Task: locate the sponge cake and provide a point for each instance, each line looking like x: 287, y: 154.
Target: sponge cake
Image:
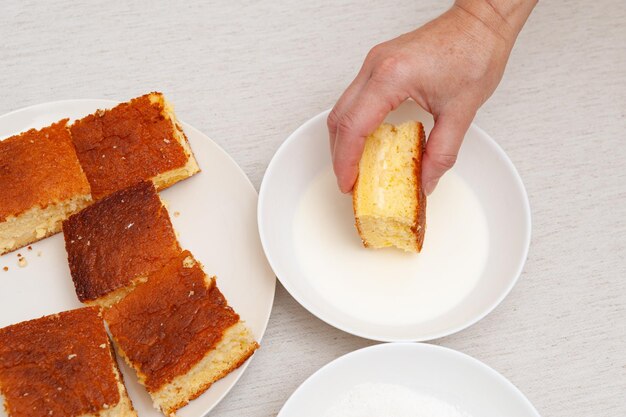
x: 134, y: 141
x: 41, y: 184
x: 389, y: 203
x: 117, y: 242
x: 61, y: 365
x: 179, y: 334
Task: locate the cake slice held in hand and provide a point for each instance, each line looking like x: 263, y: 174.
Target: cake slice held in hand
x: 41, y: 184
x: 389, y: 203
x: 179, y: 334
x: 62, y: 366
x: 117, y: 242
x: 134, y: 141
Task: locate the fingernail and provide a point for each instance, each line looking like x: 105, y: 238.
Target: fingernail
x: 341, y: 187
x: 430, y: 187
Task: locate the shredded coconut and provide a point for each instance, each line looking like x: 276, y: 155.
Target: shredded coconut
x: 389, y: 400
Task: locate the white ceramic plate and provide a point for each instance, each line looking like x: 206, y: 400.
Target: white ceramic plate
x: 217, y: 223
x: 445, y: 374
x: 477, y: 238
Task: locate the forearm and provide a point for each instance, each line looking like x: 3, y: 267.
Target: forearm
x: 504, y: 17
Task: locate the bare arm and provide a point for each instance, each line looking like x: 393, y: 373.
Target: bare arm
x: 450, y: 67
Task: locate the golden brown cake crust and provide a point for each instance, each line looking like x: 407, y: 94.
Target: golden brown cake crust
x: 171, y: 322
x: 122, y: 237
x: 39, y: 167
x: 126, y: 144
x: 420, y: 215
x: 59, y: 365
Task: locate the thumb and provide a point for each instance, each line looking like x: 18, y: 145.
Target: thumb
x: 442, y: 147
x: 363, y: 115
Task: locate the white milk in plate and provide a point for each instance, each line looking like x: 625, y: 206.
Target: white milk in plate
x: 389, y: 286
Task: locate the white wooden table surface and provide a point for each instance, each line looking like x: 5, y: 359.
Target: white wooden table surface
x: 247, y: 73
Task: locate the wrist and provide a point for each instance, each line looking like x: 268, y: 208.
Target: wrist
x: 503, y: 18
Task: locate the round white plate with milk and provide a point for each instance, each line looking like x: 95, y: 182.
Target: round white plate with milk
x: 408, y: 380
x: 476, y: 242
x: 214, y: 214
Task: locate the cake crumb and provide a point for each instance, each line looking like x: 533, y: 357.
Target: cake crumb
x: 71, y: 356
x: 39, y: 253
x: 6, y: 268
x: 21, y: 262
x: 30, y: 248
x: 188, y: 262
x: 176, y: 213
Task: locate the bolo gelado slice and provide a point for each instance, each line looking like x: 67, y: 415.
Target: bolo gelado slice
x: 179, y: 333
x: 41, y: 184
x: 117, y: 242
x: 134, y: 141
x: 63, y: 366
x: 388, y: 200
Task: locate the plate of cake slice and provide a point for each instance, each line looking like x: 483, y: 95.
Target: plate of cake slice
x: 124, y: 290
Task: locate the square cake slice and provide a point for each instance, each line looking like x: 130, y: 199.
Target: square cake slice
x: 117, y: 242
x: 389, y: 203
x: 63, y: 366
x: 41, y: 184
x: 178, y: 333
x: 137, y: 140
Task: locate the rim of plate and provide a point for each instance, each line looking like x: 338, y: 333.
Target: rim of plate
x: 364, y: 334
x: 417, y: 347
x: 238, y: 168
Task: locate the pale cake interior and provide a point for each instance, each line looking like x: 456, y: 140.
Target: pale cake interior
x: 385, y: 196
x: 37, y: 223
x: 166, y: 179
x: 117, y: 295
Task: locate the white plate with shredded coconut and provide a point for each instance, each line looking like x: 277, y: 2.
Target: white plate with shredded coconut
x: 407, y: 380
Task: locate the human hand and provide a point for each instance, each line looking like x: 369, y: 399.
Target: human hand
x: 450, y: 67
